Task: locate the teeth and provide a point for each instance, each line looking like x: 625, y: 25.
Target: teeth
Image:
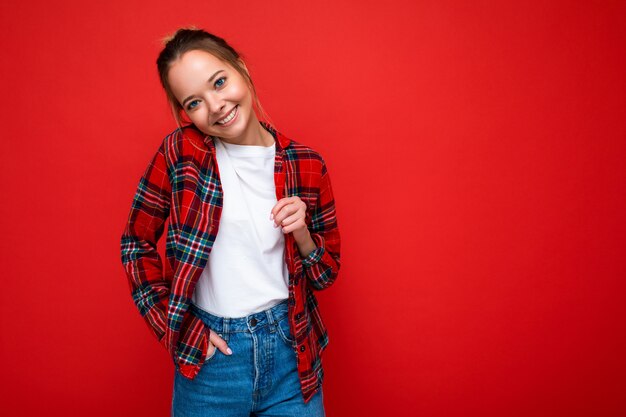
x: 229, y: 117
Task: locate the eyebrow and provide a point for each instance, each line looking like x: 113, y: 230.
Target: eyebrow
x: 209, y: 80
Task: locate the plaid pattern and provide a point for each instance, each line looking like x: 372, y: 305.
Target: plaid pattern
x: 181, y: 184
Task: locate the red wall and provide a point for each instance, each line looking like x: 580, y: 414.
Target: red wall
x: 477, y: 155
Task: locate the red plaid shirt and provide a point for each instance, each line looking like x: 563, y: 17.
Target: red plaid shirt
x: 182, y: 184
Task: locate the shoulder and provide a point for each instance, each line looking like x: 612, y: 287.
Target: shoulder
x: 180, y: 137
x: 309, y: 160
x: 298, y: 151
x: 183, y: 142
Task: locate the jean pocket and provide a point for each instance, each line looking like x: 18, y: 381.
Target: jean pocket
x: 284, y: 330
x: 210, y: 355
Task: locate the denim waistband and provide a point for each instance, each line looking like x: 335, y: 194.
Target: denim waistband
x: 249, y: 323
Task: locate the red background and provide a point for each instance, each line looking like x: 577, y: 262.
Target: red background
x: 477, y: 155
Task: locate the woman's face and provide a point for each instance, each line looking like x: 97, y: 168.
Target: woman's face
x: 212, y: 92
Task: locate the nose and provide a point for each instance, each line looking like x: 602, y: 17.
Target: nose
x: 215, y: 104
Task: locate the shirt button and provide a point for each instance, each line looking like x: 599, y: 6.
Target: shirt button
x: 302, y: 348
x: 253, y: 322
x: 298, y: 316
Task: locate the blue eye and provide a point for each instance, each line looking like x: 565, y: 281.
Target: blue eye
x: 189, y: 107
x: 222, y: 79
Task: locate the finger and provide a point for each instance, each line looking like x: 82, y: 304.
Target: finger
x: 293, y: 226
x: 220, y: 343
x: 291, y: 219
x: 279, y: 205
x: 285, y: 212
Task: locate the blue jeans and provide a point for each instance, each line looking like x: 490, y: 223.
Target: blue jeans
x: 260, y: 378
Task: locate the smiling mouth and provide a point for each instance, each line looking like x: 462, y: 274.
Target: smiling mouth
x: 229, y: 117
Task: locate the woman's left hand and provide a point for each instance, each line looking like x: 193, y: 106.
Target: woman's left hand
x: 290, y: 213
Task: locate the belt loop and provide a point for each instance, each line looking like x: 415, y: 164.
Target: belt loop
x: 271, y: 319
x: 225, y: 329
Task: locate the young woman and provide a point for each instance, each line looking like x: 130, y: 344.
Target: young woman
x: 252, y: 233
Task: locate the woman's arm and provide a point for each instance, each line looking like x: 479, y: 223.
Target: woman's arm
x: 142, y: 262
x: 321, y: 266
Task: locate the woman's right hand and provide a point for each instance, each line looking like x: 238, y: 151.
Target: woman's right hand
x: 215, y: 341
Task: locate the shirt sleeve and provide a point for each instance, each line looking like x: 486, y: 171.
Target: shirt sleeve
x: 144, y: 227
x: 321, y: 266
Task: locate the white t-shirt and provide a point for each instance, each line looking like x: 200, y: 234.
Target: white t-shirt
x: 246, y: 271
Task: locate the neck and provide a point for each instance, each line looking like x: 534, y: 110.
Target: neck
x: 255, y: 135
